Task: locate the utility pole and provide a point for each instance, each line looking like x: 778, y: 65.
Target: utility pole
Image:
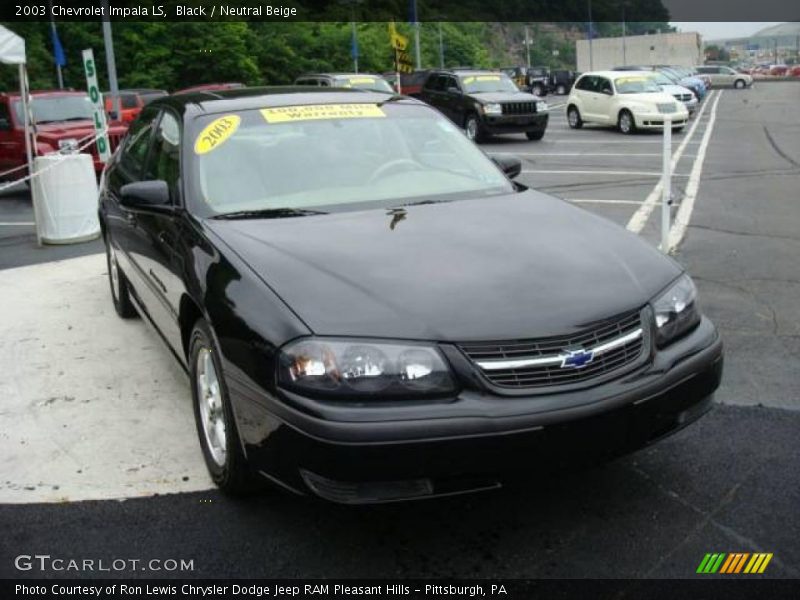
x: 528, y: 46
x: 111, y: 63
x: 54, y: 35
x: 417, y: 55
x: 591, y: 35
x: 354, y: 45
x: 624, y: 32
x: 441, y: 47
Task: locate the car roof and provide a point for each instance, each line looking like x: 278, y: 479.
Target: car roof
x: 194, y: 103
x: 612, y: 74
x: 47, y: 93
x: 340, y: 75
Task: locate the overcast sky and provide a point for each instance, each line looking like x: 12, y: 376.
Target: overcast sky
x: 713, y: 31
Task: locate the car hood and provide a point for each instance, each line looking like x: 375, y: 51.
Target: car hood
x: 516, y: 266
x: 648, y: 97
x: 672, y: 90
x: 70, y: 129
x: 504, y: 97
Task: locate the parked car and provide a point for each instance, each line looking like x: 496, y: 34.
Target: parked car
x: 722, y: 76
x: 211, y: 87
x: 794, y: 71
x: 679, y: 92
x: 535, y: 80
x: 561, y: 81
x: 697, y: 85
x: 63, y: 120
x: 488, y: 334
x: 360, y: 81
x: 131, y: 102
x: 485, y: 103
x: 627, y: 100
x: 410, y: 83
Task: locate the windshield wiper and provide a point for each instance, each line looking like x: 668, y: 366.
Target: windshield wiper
x: 393, y: 98
x: 269, y: 213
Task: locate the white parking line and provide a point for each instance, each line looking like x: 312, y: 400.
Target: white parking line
x: 587, y: 153
x: 603, y: 172
x: 639, y: 218
x: 678, y: 229
x: 550, y: 139
x: 12, y: 223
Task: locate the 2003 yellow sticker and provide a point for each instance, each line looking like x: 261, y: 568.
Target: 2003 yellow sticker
x: 311, y: 112
x: 216, y: 133
x: 481, y: 78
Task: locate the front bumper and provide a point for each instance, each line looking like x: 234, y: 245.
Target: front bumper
x: 357, y: 454
x: 656, y: 120
x: 499, y: 124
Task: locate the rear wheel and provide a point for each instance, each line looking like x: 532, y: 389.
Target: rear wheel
x: 537, y: 89
x: 561, y: 89
x: 534, y: 135
x: 574, y: 118
x: 120, y: 295
x: 626, y: 123
x: 738, y: 84
x: 216, y: 428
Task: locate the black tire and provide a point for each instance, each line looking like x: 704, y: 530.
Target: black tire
x: 534, y: 135
x: 233, y: 475
x: 574, y: 117
x: 537, y: 90
x: 120, y: 293
x: 739, y: 84
x: 626, y: 123
x: 561, y: 89
x: 473, y: 129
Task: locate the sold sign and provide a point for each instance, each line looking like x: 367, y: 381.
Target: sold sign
x: 99, y: 113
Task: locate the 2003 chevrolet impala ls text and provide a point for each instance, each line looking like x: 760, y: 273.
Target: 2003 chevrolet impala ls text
x: 371, y: 310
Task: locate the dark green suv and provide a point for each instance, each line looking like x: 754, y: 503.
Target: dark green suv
x: 485, y: 103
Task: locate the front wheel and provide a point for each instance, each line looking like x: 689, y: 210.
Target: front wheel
x: 626, y: 123
x: 561, y: 89
x: 574, y: 118
x: 739, y: 84
x: 216, y: 428
x: 120, y: 295
x: 472, y: 127
x: 534, y: 135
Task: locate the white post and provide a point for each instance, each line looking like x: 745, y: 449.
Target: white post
x: 666, y: 184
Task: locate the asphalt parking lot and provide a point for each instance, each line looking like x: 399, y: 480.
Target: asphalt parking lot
x: 85, y: 446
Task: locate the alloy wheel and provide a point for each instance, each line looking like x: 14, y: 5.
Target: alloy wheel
x: 212, y: 413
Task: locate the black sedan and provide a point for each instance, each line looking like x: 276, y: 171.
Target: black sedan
x: 369, y: 309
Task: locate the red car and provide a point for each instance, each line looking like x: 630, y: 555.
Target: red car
x: 63, y: 119
x: 794, y: 71
x: 131, y: 102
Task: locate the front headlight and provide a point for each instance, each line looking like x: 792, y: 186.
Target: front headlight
x: 541, y: 106
x: 351, y: 369
x: 493, y: 108
x: 676, y: 311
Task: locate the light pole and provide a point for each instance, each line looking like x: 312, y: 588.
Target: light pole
x: 527, y: 46
x: 111, y: 63
x: 624, y: 32
x: 354, y: 45
x: 591, y: 34
x: 441, y: 47
x: 417, y: 54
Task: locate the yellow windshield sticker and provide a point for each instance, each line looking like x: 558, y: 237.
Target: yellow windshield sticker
x: 469, y: 79
x: 357, y: 80
x: 488, y: 78
x: 215, y: 133
x: 285, y: 114
x: 624, y: 80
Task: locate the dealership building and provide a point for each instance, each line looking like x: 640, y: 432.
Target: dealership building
x: 684, y: 49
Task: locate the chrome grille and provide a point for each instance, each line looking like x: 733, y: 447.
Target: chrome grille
x: 519, y: 108
x: 666, y: 108
x: 616, y: 343
x: 683, y: 97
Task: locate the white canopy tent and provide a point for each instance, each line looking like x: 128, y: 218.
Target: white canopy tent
x: 12, y: 52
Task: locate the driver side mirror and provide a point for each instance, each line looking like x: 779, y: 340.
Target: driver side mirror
x: 146, y: 196
x: 510, y: 165
x: 454, y: 90
x: 607, y: 91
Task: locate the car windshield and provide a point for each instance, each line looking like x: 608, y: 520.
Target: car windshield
x: 495, y: 82
x: 636, y: 85
x: 293, y: 159
x: 365, y: 83
x: 58, y: 108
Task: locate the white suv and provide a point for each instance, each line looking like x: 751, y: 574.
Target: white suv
x: 629, y: 101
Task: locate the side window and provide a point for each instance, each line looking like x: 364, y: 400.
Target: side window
x: 431, y: 82
x: 450, y: 82
x: 585, y: 83
x: 604, y: 86
x: 324, y: 82
x: 164, y: 159
x: 5, y: 118
x: 137, y: 142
